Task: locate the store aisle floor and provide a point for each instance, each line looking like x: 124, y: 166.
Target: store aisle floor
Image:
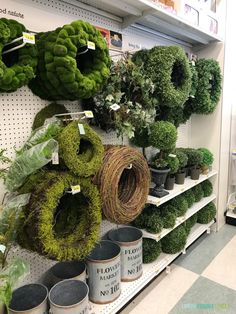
x: 201, y: 282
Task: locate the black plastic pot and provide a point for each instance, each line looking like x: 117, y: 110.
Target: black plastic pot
x: 159, y: 178
x: 180, y: 177
x: 185, y: 171
x: 170, y: 182
x: 195, y: 173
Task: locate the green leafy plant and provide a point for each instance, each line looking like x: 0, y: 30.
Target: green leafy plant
x: 190, y: 197
x: 195, y: 156
x: 180, y: 204
x: 207, y: 157
x: 190, y: 223
x: 173, y: 163
x: 198, y: 192
x: 150, y: 220
x: 174, y: 241
x: 151, y: 250
x: 207, y: 188
x: 182, y: 157
x: 163, y: 135
x: 3, y: 161
x: 168, y: 215
x: 207, y: 214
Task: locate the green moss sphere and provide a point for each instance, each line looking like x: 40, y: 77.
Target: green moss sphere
x: 190, y: 198
x: 180, y: 204
x: 151, y: 250
x: 163, y: 135
x: 207, y: 214
x: 175, y: 241
x: 207, y: 188
x: 168, y: 215
x: 190, y: 223
x: 198, y: 192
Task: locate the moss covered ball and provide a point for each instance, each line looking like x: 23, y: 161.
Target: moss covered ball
x: 198, y: 192
x: 168, y: 216
x: 151, y: 250
x: 190, y: 223
x: 150, y: 220
x: 190, y: 198
x: 207, y: 188
x: 207, y: 214
x: 175, y: 241
x: 163, y: 135
x: 180, y: 204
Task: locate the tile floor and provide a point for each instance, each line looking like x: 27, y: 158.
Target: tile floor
x: 201, y: 282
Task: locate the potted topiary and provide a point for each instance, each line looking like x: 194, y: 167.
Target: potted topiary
x: 181, y: 173
x: 194, y: 161
x: 173, y: 164
x: 163, y: 135
x: 207, y: 160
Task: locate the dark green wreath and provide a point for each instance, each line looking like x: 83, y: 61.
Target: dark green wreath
x: 207, y: 214
x: 81, y: 153
x: 207, y: 188
x: 64, y: 70
x: 169, y: 69
x: 59, y: 225
x: 209, y: 86
x: 17, y: 68
x: 151, y: 250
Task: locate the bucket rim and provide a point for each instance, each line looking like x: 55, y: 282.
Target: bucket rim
x: 105, y: 260
x: 52, y: 270
x: 129, y: 243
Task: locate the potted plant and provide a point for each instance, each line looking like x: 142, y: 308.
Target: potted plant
x: 207, y: 160
x: 194, y: 161
x: 163, y: 135
x: 181, y: 172
x: 173, y: 164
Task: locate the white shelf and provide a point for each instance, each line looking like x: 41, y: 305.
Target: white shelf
x: 191, y: 211
x: 130, y: 289
x: 178, y: 189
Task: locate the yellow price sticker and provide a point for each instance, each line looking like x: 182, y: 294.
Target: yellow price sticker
x: 91, y: 45
x: 88, y: 114
x: 29, y: 38
x: 75, y: 189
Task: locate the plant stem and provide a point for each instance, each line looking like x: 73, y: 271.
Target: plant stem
x: 144, y: 152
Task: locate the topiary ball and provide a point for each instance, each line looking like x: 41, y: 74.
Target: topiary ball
x: 180, y: 204
x: 194, y: 156
x: 207, y: 157
x: 150, y: 220
x: 163, y: 135
x: 190, y: 198
x: 190, y: 223
x: 207, y: 188
x: 198, y: 192
x: 173, y: 164
x: 168, y: 216
x: 175, y: 241
x: 182, y: 157
x: 207, y: 214
x: 151, y: 250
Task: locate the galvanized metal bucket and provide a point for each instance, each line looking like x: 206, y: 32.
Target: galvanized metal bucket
x: 103, y: 266
x: 130, y: 241
x: 29, y: 299
x: 69, y: 297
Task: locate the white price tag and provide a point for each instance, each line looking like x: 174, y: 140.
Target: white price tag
x: 88, y: 114
x: 29, y: 38
x: 172, y: 155
x: 193, y: 62
x: 75, y: 189
x: 55, y: 158
x: 115, y: 107
x: 2, y: 248
x: 81, y: 128
x: 91, y: 45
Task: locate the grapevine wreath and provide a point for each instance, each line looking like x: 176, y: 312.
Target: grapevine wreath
x: 124, y: 191
x: 81, y: 153
x: 67, y: 69
x: 17, y: 68
x: 60, y: 225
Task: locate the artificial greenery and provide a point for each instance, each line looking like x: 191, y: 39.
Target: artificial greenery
x: 169, y: 69
x: 17, y: 68
x: 173, y: 163
x: 81, y: 153
x: 48, y: 112
x: 168, y: 215
x: 163, y: 135
x: 189, y: 223
x: 198, y: 192
x: 207, y: 157
x: 150, y: 220
x: 208, y: 87
x: 180, y: 204
x: 194, y: 156
x: 61, y: 226
x: 4, y: 160
x: 207, y: 188
x: 151, y: 250
x: 67, y: 69
x: 190, y: 198
x: 174, y: 241
x: 207, y: 214
x: 182, y: 157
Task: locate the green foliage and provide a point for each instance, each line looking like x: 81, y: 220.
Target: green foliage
x: 141, y: 137
x: 190, y: 198
x: 194, y: 84
x: 180, y: 204
x: 207, y: 188
x: 163, y: 135
x: 190, y: 223
x: 16, y: 68
x: 194, y: 156
x: 207, y: 214
x: 81, y: 153
x: 208, y: 87
x: 182, y: 157
x: 151, y: 250
x: 174, y: 241
x: 208, y: 157
x: 149, y: 219
x: 169, y: 69
x: 173, y: 164
x: 63, y: 72
x: 198, y: 192
x: 48, y: 112
x: 3, y: 161
x: 168, y: 215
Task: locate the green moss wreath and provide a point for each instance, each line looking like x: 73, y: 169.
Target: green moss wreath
x: 208, y: 87
x: 207, y: 214
x: 62, y: 226
x: 175, y: 241
x: 169, y: 70
x: 64, y: 73
x: 151, y: 250
x: 81, y: 153
x: 16, y: 68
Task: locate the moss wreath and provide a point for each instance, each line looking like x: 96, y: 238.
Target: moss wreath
x: 169, y: 69
x: 62, y: 226
x: 18, y: 67
x: 66, y: 72
x: 81, y: 153
x: 208, y: 87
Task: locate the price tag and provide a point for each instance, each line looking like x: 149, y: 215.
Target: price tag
x: 91, y: 45
x: 172, y: 155
x: 115, y: 107
x: 28, y: 38
x: 2, y: 248
x: 88, y: 114
x: 55, y: 158
x: 193, y: 62
x: 81, y: 129
x: 75, y: 189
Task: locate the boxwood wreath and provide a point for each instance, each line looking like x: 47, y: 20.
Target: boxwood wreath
x: 174, y: 241
x: 65, y: 70
x: 151, y: 250
x: 17, y: 68
x: 207, y: 214
x: 58, y: 225
x: 207, y: 188
x: 81, y: 153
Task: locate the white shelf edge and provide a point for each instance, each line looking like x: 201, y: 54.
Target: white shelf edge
x: 191, y: 211
x: 178, y: 189
x: 130, y: 289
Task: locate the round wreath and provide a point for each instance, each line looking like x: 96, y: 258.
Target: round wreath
x: 169, y: 69
x: 208, y: 87
x: 60, y: 225
x: 81, y: 153
x: 16, y: 68
x: 67, y: 69
x: 124, y: 191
